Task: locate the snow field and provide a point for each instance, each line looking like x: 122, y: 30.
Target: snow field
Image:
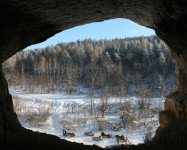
x: 70, y: 112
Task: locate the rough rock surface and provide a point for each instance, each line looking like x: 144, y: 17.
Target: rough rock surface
x: 173, y: 123
x: 176, y: 104
x: 28, y: 22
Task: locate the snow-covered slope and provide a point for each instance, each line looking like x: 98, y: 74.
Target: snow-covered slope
x: 72, y: 112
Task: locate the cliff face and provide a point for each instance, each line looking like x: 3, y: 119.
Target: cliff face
x: 28, y: 22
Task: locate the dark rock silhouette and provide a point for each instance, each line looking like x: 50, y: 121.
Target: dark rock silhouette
x: 27, y: 22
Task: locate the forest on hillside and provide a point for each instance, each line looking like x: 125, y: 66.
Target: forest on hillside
x: 119, y: 67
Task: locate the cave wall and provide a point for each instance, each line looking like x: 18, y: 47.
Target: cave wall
x: 29, y: 22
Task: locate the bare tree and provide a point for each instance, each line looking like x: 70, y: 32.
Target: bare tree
x: 104, y: 94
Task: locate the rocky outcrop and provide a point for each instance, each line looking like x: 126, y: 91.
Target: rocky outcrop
x: 7, y: 115
x: 176, y: 104
x: 172, y: 133
x: 28, y: 22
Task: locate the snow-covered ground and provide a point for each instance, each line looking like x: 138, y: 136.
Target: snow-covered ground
x: 72, y: 112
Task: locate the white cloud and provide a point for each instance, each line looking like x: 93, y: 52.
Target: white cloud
x: 134, y: 31
x: 136, y: 27
x: 135, y: 24
x: 131, y: 22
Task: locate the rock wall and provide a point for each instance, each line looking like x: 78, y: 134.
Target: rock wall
x: 172, y: 133
x: 28, y: 22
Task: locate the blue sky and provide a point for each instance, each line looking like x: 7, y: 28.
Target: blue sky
x: 109, y: 29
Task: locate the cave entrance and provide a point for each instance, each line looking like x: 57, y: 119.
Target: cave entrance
x: 110, y: 86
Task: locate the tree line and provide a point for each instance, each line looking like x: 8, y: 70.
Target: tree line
x: 117, y: 67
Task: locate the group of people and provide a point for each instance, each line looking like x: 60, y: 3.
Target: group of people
x: 119, y: 138
x: 123, y: 139
x: 65, y: 133
x: 106, y: 135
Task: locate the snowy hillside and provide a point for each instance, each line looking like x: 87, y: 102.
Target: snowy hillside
x: 132, y: 117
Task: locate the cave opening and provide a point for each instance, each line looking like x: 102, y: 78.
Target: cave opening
x: 102, y: 85
x: 30, y: 22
